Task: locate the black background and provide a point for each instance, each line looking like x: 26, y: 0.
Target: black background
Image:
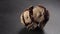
x: 10, y: 11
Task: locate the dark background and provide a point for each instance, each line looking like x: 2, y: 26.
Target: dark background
x: 10, y: 11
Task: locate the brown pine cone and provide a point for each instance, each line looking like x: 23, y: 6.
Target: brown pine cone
x: 35, y: 16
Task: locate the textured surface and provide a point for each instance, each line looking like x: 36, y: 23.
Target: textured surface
x: 34, y: 16
x: 10, y: 11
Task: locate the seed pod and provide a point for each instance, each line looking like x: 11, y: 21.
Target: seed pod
x: 34, y: 16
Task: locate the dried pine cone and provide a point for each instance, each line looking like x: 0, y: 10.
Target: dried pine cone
x: 35, y: 16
